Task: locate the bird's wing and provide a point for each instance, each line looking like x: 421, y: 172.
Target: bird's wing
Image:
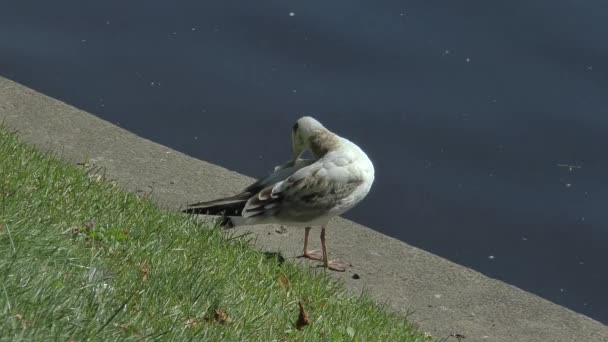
x: 308, y: 193
x: 280, y: 173
x: 233, y: 205
x: 295, y: 164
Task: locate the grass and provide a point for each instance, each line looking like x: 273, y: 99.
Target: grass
x: 81, y: 259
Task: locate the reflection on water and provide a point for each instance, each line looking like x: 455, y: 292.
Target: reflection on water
x: 487, y: 122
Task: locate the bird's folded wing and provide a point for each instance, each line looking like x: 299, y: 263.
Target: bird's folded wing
x: 294, y: 164
x: 280, y: 173
x: 233, y: 205
x: 310, y: 191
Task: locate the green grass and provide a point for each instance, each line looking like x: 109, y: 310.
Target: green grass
x: 80, y: 259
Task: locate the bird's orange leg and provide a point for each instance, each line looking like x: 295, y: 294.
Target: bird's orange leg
x: 314, y: 254
x: 334, y: 265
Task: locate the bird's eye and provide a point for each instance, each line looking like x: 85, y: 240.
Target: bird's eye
x: 295, y: 127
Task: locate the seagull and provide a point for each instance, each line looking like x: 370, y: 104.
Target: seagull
x: 302, y: 192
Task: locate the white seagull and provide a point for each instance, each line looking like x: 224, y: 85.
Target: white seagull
x: 302, y: 192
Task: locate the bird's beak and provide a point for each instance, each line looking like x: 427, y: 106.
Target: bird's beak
x: 296, y: 155
x: 298, y: 149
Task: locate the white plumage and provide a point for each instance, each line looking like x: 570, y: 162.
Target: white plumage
x: 303, y: 192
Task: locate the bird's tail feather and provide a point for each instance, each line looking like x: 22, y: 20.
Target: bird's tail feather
x: 229, y: 208
x: 226, y: 200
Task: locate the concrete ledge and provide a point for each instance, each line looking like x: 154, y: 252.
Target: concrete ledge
x: 445, y: 298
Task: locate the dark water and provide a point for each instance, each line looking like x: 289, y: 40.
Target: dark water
x: 467, y: 108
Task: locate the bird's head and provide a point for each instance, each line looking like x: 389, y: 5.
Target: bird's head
x: 305, y: 128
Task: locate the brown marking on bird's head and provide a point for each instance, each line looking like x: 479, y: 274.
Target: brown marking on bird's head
x: 310, y: 134
x: 322, y: 142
